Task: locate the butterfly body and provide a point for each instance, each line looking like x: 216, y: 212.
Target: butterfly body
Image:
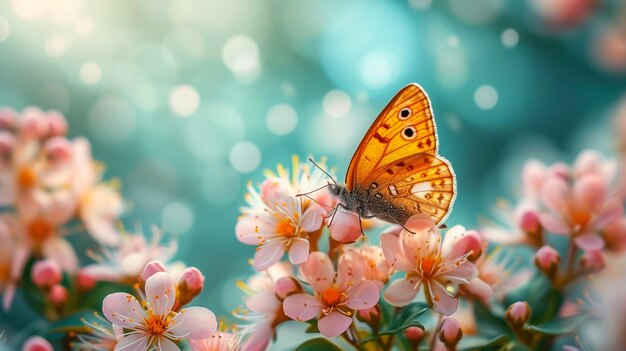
x: 396, y: 171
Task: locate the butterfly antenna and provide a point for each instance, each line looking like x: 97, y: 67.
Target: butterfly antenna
x: 312, y: 199
x: 321, y: 169
x: 312, y: 191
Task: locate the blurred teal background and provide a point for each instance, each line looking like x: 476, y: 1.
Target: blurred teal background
x: 187, y: 100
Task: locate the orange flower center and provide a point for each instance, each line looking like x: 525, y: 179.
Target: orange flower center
x: 26, y: 178
x: 332, y: 296
x: 581, y: 218
x: 285, y: 228
x: 428, y: 265
x: 156, y: 325
x: 39, y: 230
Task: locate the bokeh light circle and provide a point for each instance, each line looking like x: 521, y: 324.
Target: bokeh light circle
x: 509, y: 38
x: 84, y: 26
x: 420, y: 4
x: 90, y: 73
x: 112, y: 119
x: 240, y: 55
x: 5, y: 29
x: 336, y: 103
x: 31, y: 9
x: 177, y: 217
x: 245, y: 157
x: 55, y: 46
x: 184, y: 100
x: 281, y: 119
x: 486, y: 97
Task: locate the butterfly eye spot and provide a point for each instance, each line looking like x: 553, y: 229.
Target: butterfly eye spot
x: 374, y: 185
x: 409, y: 133
x: 378, y: 195
x: 404, y: 113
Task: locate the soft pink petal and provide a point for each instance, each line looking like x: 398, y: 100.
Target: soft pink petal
x: 351, y: 269
x: 423, y: 239
x: 480, y: 290
x: 588, y: 162
x: 363, y: 295
x: 555, y: 194
x: 533, y: 175
x: 19, y: 261
x: 299, y: 251
x: 251, y: 229
x: 123, y: 309
x: 312, y: 218
x: 301, y: 307
x: 59, y: 250
x: 260, y: 339
x: 264, y: 302
x: 334, y: 324
x: 268, y: 254
x: 589, y: 241
x: 164, y: 344
x: 318, y: 270
x: 401, y: 292
x: 133, y: 342
x: 61, y: 208
x: 161, y: 292
x: 193, y: 323
x: 459, y: 273
x: 345, y: 227
x: 394, y: 254
x: 501, y: 236
x: 442, y: 302
x: 458, y: 242
x: 611, y: 212
x: 590, y: 192
x: 8, y: 295
x: 553, y: 224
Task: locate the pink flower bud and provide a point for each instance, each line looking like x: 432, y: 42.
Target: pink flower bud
x: 414, y: 334
x: 192, y: 278
x: 7, y: 141
x: 46, y: 273
x: 85, y: 281
x: 592, y: 261
x: 151, y: 268
x: 58, y: 148
x: 547, y: 259
x: 33, y: 123
x: 529, y: 222
x: 369, y: 315
x: 58, y: 294
x: 518, y: 314
x: 57, y: 125
x: 37, y: 343
x: 8, y: 118
x: 285, y: 286
x: 450, y: 332
x: 345, y: 227
x: 615, y: 235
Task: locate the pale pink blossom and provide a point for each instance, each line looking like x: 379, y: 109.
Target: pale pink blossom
x: 430, y: 263
x: 152, y: 323
x: 46, y: 273
x: 375, y: 266
x: 278, y: 222
x: 37, y: 343
x: 126, y: 262
x: 101, y: 335
x: 336, y: 295
x: 218, y: 341
x: 266, y: 292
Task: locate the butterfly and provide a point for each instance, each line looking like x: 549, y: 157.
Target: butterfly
x: 396, y: 172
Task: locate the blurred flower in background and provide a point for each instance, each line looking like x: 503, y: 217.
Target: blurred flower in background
x: 185, y: 101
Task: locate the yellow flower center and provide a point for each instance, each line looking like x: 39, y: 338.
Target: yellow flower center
x: 428, y: 265
x: 39, y: 230
x: 26, y: 178
x: 332, y: 296
x: 155, y: 324
x: 581, y: 218
x: 285, y: 228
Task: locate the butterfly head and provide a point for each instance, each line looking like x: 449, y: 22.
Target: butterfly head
x: 336, y: 189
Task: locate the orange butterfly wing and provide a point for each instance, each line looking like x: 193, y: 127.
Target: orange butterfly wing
x: 405, y: 134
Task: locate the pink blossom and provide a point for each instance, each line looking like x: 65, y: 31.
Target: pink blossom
x: 152, y: 323
x: 375, y: 266
x: 46, y: 273
x: 429, y: 262
x: 266, y: 292
x: 37, y: 343
x: 216, y: 342
x: 278, y: 222
x: 336, y: 296
x: 102, y: 335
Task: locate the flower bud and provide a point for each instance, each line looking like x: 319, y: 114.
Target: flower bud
x: 189, y: 286
x: 46, y: 273
x: 37, y: 343
x: 57, y: 125
x: 286, y: 286
x: 58, y: 294
x: 370, y: 315
x: 33, y: 123
x: 529, y: 222
x: 58, y: 148
x: 450, y: 332
x: 84, y: 280
x: 345, y: 227
x: 548, y: 259
x: 518, y: 314
x: 8, y: 118
x: 7, y: 141
x: 414, y: 334
x: 592, y: 261
x: 151, y: 268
